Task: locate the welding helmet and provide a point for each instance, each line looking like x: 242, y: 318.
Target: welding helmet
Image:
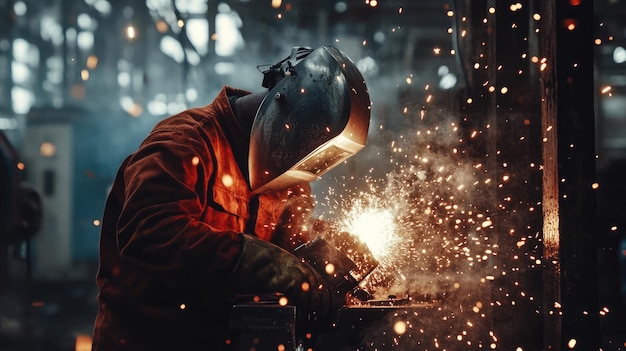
x: 315, y: 116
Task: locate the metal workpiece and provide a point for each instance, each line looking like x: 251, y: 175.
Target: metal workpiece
x: 339, y: 270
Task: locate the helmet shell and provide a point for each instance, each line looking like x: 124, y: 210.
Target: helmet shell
x: 310, y: 121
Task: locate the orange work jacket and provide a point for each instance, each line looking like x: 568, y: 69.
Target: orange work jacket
x: 171, y: 233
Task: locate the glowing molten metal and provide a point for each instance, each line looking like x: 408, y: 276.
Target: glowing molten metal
x: 374, y: 227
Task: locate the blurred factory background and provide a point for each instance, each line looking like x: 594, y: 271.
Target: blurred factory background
x: 83, y: 81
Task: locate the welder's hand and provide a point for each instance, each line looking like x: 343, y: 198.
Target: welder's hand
x: 265, y: 268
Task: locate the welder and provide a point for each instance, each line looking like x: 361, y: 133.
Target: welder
x: 216, y: 198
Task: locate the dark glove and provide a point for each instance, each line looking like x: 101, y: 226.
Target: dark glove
x: 264, y: 268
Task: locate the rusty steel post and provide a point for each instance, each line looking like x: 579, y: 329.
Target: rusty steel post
x: 570, y: 290
x: 550, y: 199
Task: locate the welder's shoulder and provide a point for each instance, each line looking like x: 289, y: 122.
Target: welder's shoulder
x: 189, y: 124
x: 185, y: 120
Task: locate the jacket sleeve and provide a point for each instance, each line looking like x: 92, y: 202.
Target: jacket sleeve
x: 159, y: 231
x: 294, y: 224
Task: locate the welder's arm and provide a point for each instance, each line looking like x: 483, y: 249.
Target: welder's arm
x: 265, y: 268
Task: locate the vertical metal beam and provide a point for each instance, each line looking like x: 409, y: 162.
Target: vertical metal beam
x: 550, y: 200
x: 570, y: 283
x: 577, y: 203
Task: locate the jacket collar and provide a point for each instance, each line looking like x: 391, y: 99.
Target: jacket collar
x: 237, y: 135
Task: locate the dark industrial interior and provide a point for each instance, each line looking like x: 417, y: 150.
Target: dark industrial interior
x: 493, y: 169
